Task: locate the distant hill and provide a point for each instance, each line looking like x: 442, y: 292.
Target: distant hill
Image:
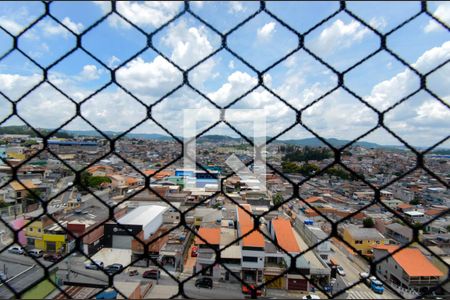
x: 26, y: 130
x: 315, y: 142
x: 312, y: 142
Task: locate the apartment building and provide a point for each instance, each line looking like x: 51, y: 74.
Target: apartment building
x: 363, y: 239
x: 408, y: 268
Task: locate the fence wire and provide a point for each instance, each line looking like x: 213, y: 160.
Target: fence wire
x: 112, y: 141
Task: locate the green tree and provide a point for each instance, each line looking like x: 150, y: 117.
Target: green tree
x: 415, y: 201
x: 308, y: 169
x: 277, y: 199
x: 368, y: 223
x: 87, y: 180
x: 448, y: 228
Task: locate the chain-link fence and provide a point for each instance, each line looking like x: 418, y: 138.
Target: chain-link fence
x: 113, y: 210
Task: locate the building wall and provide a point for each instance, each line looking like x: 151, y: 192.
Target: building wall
x: 366, y: 246
x: 151, y: 227
x: 388, y: 267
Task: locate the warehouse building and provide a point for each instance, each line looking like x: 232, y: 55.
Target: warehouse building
x: 147, y: 219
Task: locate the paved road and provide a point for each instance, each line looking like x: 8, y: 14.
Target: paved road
x: 352, y: 271
x: 167, y: 288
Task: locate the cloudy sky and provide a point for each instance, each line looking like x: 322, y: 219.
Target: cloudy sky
x: 300, y: 79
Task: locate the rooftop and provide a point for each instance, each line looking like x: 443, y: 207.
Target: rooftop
x: 211, y: 235
x: 284, y: 235
x: 412, y: 260
x: 359, y: 233
x: 142, y: 215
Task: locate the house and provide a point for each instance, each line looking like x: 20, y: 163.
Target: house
x: 408, y: 268
x: 363, y: 239
x: 401, y: 234
x: 208, y: 240
x: 252, y: 246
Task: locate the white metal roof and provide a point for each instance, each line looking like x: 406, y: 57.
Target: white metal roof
x: 142, y: 215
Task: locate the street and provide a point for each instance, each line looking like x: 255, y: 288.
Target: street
x: 352, y: 270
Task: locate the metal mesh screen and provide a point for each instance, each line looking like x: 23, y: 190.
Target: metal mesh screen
x: 110, y: 146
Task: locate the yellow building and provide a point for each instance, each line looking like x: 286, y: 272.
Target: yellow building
x: 363, y: 239
x: 52, y: 239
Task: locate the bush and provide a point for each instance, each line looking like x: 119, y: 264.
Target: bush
x: 368, y: 223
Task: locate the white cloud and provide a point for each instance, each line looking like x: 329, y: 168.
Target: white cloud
x: 379, y: 23
x: 45, y: 107
x: 50, y: 28
x: 149, y: 80
x: 340, y: 36
x: 75, y: 27
x: 231, y: 64
x: 10, y: 25
x: 16, y: 20
x: 237, y: 84
x: 189, y: 44
x: 442, y: 12
x: 266, y: 32
x: 145, y: 13
x: 90, y: 72
x: 113, y: 61
x: 236, y: 7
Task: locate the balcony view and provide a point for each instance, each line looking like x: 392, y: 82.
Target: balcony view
x: 224, y: 150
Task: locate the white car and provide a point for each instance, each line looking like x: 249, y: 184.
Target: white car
x: 94, y: 265
x: 312, y: 296
x: 16, y: 250
x: 3, y: 276
x: 340, y: 270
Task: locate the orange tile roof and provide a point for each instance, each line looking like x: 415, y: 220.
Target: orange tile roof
x: 131, y: 180
x: 161, y: 174
x: 94, y: 169
x: 311, y: 213
x: 313, y: 199
x: 211, y: 235
x: 433, y: 211
x: 17, y: 186
x: 412, y: 260
x: 284, y: 235
x: 404, y: 205
x: 254, y: 239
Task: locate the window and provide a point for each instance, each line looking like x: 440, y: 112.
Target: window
x: 358, y: 242
x: 249, y: 258
x: 30, y: 229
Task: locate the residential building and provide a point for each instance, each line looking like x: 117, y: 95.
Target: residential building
x: 408, y: 268
x: 363, y: 239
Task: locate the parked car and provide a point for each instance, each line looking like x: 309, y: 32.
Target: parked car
x: 16, y: 250
x: 375, y: 285
x: 247, y: 291
x: 204, y: 282
x: 35, y: 253
x: 96, y: 265
x: 133, y: 273
x: 113, y: 269
x: 194, y: 251
x: 340, y: 270
x: 311, y: 296
x: 3, y: 276
x: 52, y: 257
x: 152, y: 274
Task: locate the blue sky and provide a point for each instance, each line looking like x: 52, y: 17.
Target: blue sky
x: 341, y: 42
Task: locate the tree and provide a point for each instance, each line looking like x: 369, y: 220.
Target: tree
x: 415, y: 201
x: 448, y: 228
x: 368, y: 223
x: 87, y: 180
x: 277, y: 199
